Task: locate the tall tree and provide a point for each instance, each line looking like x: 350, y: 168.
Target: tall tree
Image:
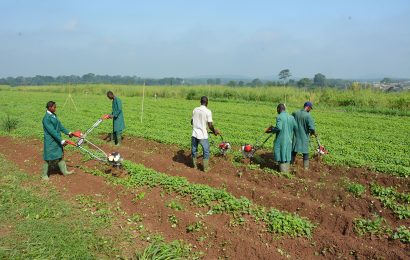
x: 319, y: 80
x: 284, y: 74
x: 304, y: 83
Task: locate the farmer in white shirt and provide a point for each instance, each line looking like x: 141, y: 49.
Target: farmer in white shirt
x: 201, y: 119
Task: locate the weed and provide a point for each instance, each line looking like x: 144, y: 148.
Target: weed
x: 173, y: 220
x: 195, y: 227
x: 175, y: 205
x: 9, y: 123
x: 136, y: 218
x: 158, y: 249
x: 139, y: 196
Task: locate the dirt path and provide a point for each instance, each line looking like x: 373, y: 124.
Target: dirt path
x: 316, y: 194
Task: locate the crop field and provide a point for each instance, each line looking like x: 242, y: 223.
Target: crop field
x: 353, y: 203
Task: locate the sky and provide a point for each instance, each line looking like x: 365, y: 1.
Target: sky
x: 347, y: 39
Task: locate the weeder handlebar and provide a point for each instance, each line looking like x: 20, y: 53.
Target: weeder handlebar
x: 260, y: 145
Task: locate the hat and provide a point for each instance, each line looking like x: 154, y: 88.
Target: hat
x: 308, y: 104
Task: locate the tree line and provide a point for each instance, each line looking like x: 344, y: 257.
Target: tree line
x: 284, y: 76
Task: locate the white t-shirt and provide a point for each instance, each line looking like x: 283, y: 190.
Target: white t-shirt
x: 201, y: 116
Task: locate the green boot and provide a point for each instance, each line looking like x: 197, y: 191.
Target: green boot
x: 44, y: 174
x: 63, y: 168
x: 284, y: 167
x: 195, y: 166
x: 117, y: 138
x: 206, y: 165
x: 306, y: 165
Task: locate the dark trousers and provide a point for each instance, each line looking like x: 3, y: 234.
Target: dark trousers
x: 305, y: 157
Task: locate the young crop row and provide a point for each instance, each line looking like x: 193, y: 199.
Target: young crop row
x: 217, y: 201
x: 398, y: 202
x: 368, y: 140
x: 379, y: 227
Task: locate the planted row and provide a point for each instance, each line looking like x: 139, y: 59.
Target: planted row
x: 219, y: 201
x: 390, y: 198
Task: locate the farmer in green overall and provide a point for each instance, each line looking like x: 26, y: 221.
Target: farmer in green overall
x: 53, y: 143
x: 118, y: 118
x: 306, y: 127
x: 284, y: 130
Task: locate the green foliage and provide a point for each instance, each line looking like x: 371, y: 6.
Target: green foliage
x: 286, y: 175
x: 356, y: 189
x: 175, y: 205
x: 402, y: 233
x: 43, y: 226
x: 102, y: 215
x: 390, y: 198
x: 160, y: 250
x: 195, y: 227
x: 217, y: 200
x: 136, y: 218
x: 139, y: 196
x: 8, y: 123
x: 379, y: 227
x: 173, y: 220
x: 343, y: 130
x: 374, y: 227
x: 289, y: 224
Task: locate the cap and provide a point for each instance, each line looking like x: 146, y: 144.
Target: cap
x: 308, y: 104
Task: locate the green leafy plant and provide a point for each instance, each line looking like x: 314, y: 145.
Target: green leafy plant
x: 136, y: 218
x: 217, y: 200
x: 175, y: 205
x: 195, y: 227
x: 9, y: 123
x: 374, y: 227
x: 173, y: 220
x: 390, y: 198
x: 356, y: 189
x: 402, y: 233
x: 139, y: 196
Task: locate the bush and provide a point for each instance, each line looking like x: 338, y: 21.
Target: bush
x: 9, y: 123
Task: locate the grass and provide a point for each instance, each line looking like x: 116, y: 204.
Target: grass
x: 159, y: 250
x: 37, y: 224
x: 9, y: 123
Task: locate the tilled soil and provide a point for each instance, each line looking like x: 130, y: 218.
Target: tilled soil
x: 317, y: 194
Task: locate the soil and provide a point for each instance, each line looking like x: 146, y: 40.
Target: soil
x: 317, y: 194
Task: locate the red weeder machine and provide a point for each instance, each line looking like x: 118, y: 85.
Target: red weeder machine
x: 223, y: 146
x: 321, y: 150
x: 95, y: 152
x: 249, y: 150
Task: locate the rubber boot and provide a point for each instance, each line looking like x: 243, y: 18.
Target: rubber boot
x: 284, y: 167
x: 44, y: 174
x: 195, y: 166
x: 306, y: 165
x: 63, y: 168
x: 206, y: 165
x: 118, y: 139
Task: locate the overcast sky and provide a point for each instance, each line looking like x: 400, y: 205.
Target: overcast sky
x: 340, y: 38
